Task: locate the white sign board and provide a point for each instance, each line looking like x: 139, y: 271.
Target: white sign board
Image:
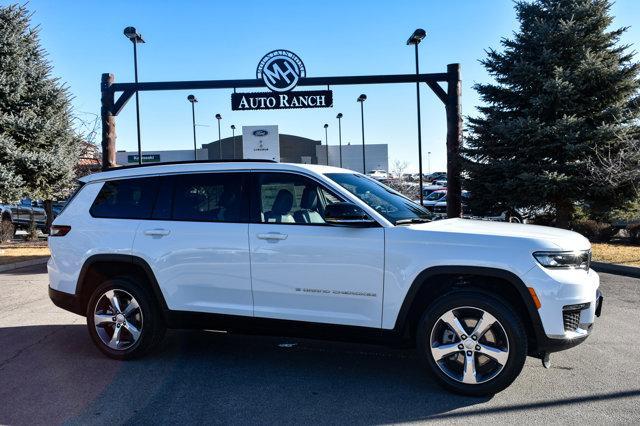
x: 260, y: 143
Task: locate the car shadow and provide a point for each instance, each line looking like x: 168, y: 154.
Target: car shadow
x: 205, y: 377
x: 54, y: 374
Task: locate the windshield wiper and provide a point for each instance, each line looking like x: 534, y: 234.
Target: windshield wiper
x: 412, y: 220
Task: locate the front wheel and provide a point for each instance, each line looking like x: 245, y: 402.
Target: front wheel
x: 474, y: 344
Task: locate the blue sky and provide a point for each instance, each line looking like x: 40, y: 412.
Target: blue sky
x: 199, y: 40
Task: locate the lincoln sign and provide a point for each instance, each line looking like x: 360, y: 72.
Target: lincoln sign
x: 281, y: 70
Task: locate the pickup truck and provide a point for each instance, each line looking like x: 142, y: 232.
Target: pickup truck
x: 19, y: 216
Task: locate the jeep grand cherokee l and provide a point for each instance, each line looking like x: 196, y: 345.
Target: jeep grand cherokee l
x: 315, y: 251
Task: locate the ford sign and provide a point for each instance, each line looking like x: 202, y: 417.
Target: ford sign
x: 260, y: 133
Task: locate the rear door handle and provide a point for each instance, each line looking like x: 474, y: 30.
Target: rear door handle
x: 272, y: 236
x: 158, y: 232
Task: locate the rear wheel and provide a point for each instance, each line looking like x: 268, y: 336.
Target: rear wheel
x: 123, y: 320
x: 473, y: 343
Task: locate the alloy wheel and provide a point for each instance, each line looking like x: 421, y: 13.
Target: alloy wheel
x: 117, y: 319
x: 469, y: 345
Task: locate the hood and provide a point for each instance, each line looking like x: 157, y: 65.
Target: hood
x: 544, y: 235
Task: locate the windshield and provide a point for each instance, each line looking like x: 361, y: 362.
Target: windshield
x: 435, y: 196
x: 389, y: 203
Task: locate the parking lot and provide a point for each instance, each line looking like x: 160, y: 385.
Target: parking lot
x: 51, y: 373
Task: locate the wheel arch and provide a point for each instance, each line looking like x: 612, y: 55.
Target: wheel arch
x: 100, y: 267
x: 433, y: 282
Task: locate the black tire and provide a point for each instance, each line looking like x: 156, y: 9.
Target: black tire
x: 152, y: 328
x: 511, y: 331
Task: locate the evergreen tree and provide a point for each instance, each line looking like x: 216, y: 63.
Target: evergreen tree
x: 38, y: 146
x: 560, y: 124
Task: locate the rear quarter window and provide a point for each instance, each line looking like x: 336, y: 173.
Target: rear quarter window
x: 126, y: 199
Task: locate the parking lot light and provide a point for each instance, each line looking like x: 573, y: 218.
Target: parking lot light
x: 361, y: 99
x: 193, y: 101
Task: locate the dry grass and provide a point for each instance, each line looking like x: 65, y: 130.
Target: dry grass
x: 10, y: 253
x: 628, y: 255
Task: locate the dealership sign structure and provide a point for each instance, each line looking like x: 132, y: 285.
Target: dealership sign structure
x: 280, y: 71
x: 261, y: 143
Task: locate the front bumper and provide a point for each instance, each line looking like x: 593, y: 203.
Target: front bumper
x: 66, y: 301
x: 571, y: 338
x: 570, y: 302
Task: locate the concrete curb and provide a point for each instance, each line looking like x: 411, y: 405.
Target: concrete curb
x: 24, y: 264
x: 611, y: 268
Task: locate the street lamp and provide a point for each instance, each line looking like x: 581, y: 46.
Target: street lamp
x: 339, y: 117
x: 219, y: 117
x: 415, y: 39
x: 429, y: 162
x: 132, y: 34
x: 233, y: 138
x: 326, y: 140
x: 193, y: 101
x: 361, y: 99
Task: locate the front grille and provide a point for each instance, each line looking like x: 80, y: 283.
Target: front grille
x: 571, y: 320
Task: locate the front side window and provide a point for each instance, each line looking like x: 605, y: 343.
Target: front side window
x: 389, y: 203
x: 125, y: 199
x: 211, y: 197
x: 291, y: 198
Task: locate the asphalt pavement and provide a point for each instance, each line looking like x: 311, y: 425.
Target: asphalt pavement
x: 51, y: 373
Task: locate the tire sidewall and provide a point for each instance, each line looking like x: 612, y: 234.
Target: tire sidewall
x: 149, y: 318
x: 511, y: 323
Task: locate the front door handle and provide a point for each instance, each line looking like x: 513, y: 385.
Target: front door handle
x: 158, y: 232
x: 272, y: 236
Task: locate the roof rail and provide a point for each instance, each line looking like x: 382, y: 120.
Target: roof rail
x: 171, y: 163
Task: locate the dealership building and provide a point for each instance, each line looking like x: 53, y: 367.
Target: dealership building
x: 292, y: 149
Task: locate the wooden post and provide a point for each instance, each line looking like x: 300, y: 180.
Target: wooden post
x: 454, y: 141
x: 108, y: 122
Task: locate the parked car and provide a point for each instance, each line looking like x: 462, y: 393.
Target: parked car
x: 427, y: 190
x: 20, y: 216
x: 295, y: 249
x: 378, y: 174
x: 433, y: 197
x: 436, y: 203
x: 436, y: 176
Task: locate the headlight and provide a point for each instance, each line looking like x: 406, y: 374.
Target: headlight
x: 564, y: 259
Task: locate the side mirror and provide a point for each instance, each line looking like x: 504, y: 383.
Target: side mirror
x: 347, y: 214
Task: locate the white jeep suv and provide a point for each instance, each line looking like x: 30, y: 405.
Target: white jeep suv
x: 318, y: 251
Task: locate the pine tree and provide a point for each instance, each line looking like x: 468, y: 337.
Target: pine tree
x: 559, y: 127
x: 38, y: 146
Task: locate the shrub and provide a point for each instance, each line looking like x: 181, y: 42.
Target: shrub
x: 596, y: 232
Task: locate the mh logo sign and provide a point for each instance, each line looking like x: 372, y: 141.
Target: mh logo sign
x: 280, y: 70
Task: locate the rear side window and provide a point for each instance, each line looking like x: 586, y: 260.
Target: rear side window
x: 126, y: 199
x: 211, y: 197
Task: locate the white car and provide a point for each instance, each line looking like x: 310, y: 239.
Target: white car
x: 315, y: 251
x: 378, y: 174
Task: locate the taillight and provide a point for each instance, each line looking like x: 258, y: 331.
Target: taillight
x: 59, y: 230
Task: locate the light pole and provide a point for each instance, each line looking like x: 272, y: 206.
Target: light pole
x: 233, y: 138
x: 339, y: 117
x: 429, y: 162
x: 193, y: 101
x: 326, y: 140
x: 219, y: 117
x: 361, y: 99
x: 415, y: 39
x: 135, y: 37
